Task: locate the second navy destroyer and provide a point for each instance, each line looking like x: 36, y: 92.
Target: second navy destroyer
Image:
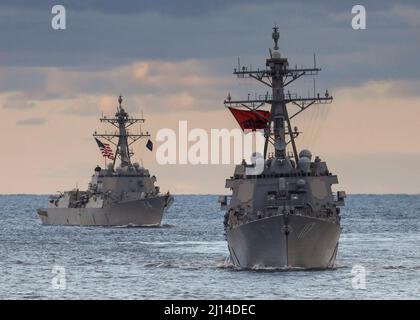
x: 285, y: 215
x: 123, y: 195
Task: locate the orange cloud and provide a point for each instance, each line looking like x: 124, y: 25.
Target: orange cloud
x: 371, y: 121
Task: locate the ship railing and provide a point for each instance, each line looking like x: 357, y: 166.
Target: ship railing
x: 266, y: 97
x: 338, y: 198
x: 269, y: 97
x: 296, y: 206
x: 224, y: 201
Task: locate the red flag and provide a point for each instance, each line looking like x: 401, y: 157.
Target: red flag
x: 251, y: 120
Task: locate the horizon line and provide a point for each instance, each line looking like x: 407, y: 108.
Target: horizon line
x: 219, y: 194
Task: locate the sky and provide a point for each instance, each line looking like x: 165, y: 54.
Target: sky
x: 173, y: 60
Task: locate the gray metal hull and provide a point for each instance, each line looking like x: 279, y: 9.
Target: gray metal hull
x: 281, y: 241
x: 144, y: 212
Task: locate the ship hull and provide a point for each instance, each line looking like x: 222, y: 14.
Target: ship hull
x: 284, y: 242
x: 143, y: 212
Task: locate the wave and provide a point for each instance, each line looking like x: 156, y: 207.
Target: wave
x: 402, y: 267
x: 174, y: 265
x: 227, y: 264
x: 131, y: 225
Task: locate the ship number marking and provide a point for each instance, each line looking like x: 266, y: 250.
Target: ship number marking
x: 305, y: 230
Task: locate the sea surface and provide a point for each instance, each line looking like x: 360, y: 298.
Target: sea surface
x: 186, y: 258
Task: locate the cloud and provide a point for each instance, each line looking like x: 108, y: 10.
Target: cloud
x: 382, y: 89
x: 374, y: 117
x: 180, y: 8
x: 144, y: 75
x: 173, y: 59
x: 104, y: 34
x: 32, y: 122
x: 159, y: 84
x: 406, y: 14
x: 18, y: 104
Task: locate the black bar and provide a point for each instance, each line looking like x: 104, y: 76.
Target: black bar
x: 204, y: 309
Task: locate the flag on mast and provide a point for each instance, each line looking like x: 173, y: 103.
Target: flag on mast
x: 252, y: 120
x: 149, y: 145
x: 105, y: 149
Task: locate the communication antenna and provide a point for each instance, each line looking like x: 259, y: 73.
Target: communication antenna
x: 277, y: 76
x: 123, y: 138
x: 314, y: 87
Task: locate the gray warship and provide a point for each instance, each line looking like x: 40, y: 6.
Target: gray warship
x: 123, y: 195
x: 284, y: 216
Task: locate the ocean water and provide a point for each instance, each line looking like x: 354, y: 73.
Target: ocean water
x: 186, y: 258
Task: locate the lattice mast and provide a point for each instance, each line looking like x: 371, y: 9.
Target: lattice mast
x: 122, y: 122
x: 278, y: 76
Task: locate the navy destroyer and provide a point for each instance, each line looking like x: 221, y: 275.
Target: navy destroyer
x: 123, y: 195
x: 285, y: 214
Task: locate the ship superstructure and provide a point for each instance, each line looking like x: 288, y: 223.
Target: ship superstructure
x: 284, y: 216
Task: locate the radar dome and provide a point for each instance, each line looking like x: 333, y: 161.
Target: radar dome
x: 276, y: 54
x: 304, y: 164
x: 305, y: 153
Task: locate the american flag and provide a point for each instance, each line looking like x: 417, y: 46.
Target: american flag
x: 105, y: 149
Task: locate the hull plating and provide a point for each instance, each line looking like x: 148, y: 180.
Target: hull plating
x: 291, y: 241
x: 144, y: 212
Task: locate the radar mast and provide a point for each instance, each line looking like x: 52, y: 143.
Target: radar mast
x: 123, y: 138
x: 278, y: 75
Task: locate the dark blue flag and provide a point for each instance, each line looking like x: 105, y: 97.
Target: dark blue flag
x: 149, y: 145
